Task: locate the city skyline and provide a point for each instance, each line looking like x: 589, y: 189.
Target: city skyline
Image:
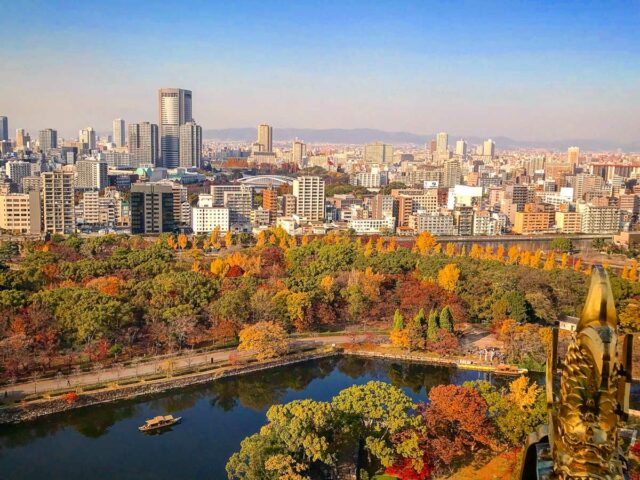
x: 470, y: 68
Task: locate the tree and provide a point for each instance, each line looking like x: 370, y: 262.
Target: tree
x: 444, y: 344
x: 398, y: 320
x: 550, y: 261
x: 456, y: 422
x: 228, y: 239
x: 450, y: 249
x: 564, y: 261
x: 513, y: 254
x: 368, y: 248
x: 380, y: 248
x: 182, y: 241
x: 633, y: 271
x: 393, y: 245
x: 416, y: 331
x: 562, y: 244
x: 432, y: 325
x: 630, y: 316
x: 446, y: 319
x: 267, y: 339
x: 448, y: 277
x: 424, y: 243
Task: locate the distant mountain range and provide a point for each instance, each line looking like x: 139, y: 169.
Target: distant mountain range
x: 367, y: 135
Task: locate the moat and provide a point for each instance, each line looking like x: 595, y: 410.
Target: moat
x: 104, y: 442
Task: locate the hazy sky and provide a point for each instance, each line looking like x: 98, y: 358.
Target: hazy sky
x: 530, y: 70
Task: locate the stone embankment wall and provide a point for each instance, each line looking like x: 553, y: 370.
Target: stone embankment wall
x: 30, y: 411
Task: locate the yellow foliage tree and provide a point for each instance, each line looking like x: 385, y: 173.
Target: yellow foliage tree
x: 525, y: 257
x: 380, y: 245
x: 564, y: 261
x: 400, y: 338
x: 261, y: 239
x: 633, y: 271
x: 450, y: 249
x: 393, y: 245
x: 577, y: 265
x: 424, y: 243
x: 448, y: 277
x: 500, y: 253
x: 266, y: 339
x: 588, y: 271
x: 488, y: 252
x: 550, y: 262
x: 368, y: 248
x: 182, y: 241
x: 305, y: 241
x: 195, y: 267
x: 214, y: 238
x: 171, y: 241
x: 535, y: 259
x: 218, y: 267
x: 513, y: 254
x: 228, y: 239
x: 625, y: 272
x: 327, y: 283
x: 523, y: 394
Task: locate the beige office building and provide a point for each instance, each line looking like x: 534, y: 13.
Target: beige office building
x: 57, y: 202
x: 378, y: 153
x: 309, y: 193
x: 265, y: 137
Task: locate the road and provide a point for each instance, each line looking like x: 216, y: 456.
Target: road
x: 113, y: 374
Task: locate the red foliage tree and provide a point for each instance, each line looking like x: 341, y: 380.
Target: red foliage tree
x: 457, y: 423
x: 445, y: 343
x: 403, y: 469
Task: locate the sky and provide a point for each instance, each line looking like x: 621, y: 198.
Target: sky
x: 544, y: 70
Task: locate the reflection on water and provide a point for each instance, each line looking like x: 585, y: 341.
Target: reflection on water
x: 103, y: 441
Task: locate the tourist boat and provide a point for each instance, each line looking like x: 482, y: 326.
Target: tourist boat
x: 510, y: 370
x: 159, y: 422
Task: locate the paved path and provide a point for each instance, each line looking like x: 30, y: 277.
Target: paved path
x: 113, y: 374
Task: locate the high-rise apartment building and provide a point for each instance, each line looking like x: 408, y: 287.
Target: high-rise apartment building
x: 378, y: 153
x: 88, y: 139
x: 175, y: 106
x: 143, y: 144
x: 265, y: 137
x: 16, y: 170
x: 442, y: 143
x: 151, y: 208
x: 58, y: 202
x: 190, y: 145
x: 20, y: 212
x: 119, y: 132
x: 461, y: 148
x: 573, y: 155
x: 91, y: 174
x: 4, y: 129
x: 452, y: 173
x: 309, y: 193
x: 288, y: 205
x: 270, y: 200
x: 299, y: 152
x: 47, y: 139
x: 239, y: 204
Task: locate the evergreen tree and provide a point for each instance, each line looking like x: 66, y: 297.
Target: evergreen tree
x: 432, y: 325
x: 446, y: 319
x: 398, y: 321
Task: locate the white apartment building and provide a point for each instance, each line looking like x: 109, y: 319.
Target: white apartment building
x: 20, y: 212
x: 373, y: 225
x: 91, y: 174
x: 309, y: 193
x: 206, y: 219
x: 434, y: 223
x: 599, y: 219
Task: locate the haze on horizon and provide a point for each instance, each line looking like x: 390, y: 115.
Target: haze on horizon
x: 568, y: 70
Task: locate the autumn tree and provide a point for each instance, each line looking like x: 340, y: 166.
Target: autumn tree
x: 445, y: 320
x: 550, y: 261
x: 424, y: 243
x: 448, y: 277
x: 266, y: 339
x: 182, y: 241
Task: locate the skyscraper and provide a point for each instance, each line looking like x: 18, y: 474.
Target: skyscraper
x: 119, y: 132
x: 87, y: 138
x: 190, y: 145
x: 489, y: 148
x: 309, y: 193
x: 442, y: 143
x: 573, y: 155
x: 4, y: 129
x: 22, y: 139
x: 175, y: 110
x: 143, y: 144
x: 461, y: 148
x: 47, y: 139
x: 265, y: 137
x: 299, y: 152
x: 378, y: 153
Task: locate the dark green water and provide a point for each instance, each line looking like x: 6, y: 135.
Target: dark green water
x: 103, y: 441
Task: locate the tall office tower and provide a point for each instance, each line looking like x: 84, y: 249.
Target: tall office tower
x: 573, y: 155
x: 432, y: 147
x: 461, y: 148
x: 190, y: 145
x: 151, y: 208
x: 299, y: 152
x: 119, y: 132
x: 87, y: 137
x: 16, y: 170
x: 22, y: 139
x: 57, y: 202
x: 265, y: 137
x: 4, y: 129
x: 91, y: 174
x: 452, y: 173
x: 378, y: 152
x: 20, y: 212
x: 309, y: 193
x: 47, y: 139
x: 175, y: 110
x: 442, y: 143
x: 489, y: 148
x: 143, y: 144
